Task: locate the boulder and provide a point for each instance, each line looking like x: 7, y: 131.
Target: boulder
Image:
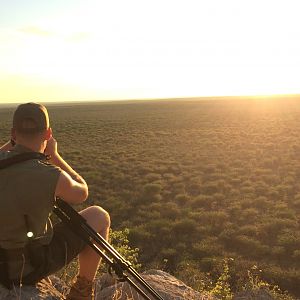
x: 51, y: 288
x: 107, y: 288
x: 169, y: 287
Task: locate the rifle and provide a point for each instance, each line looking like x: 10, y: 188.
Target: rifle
x: 121, y: 267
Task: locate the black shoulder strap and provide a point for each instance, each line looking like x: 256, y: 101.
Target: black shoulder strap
x: 4, y: 163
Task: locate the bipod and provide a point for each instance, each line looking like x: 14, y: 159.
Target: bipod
x: 121, y: 267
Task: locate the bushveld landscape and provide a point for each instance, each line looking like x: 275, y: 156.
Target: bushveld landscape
x: 205, y: 187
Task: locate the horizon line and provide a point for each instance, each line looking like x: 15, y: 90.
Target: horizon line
x: 213, y: 97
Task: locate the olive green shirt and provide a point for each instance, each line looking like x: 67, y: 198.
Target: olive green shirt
x: 26, y: 189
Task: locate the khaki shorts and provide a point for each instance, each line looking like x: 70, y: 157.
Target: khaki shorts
x: 64, y: 247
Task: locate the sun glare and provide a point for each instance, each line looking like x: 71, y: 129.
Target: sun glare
x: 215, y: 49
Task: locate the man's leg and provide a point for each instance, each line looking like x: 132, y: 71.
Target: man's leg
x: 89, y: 260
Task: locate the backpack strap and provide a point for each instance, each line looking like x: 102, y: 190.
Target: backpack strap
x: 4, y: 163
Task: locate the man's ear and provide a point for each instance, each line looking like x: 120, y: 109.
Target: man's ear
x: 48, y: 134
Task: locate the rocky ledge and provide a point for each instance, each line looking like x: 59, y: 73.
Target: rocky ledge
x: 169, y: 287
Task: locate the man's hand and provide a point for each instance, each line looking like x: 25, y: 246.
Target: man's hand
x: 51, y: 148
x: 57, y: 160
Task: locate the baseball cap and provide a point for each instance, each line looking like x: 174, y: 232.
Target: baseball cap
x: 30, y: 118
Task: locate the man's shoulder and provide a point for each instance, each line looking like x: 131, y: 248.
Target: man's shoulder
x: 47, y: 165
x: 31, y: 164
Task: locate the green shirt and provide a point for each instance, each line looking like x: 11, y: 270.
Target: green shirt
x: 26, y: 189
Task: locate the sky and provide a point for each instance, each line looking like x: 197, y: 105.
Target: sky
x: 105, y: 50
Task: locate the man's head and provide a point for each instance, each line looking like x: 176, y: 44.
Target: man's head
x: 30, y: 119
x: 31, y: 123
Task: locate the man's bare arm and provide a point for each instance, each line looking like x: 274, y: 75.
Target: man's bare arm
x: 70, y: 190
x: 71, y: 187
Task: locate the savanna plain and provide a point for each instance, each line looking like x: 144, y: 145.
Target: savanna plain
x: 207, y: 190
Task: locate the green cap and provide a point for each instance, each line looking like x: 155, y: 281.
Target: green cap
x: 30, y: 118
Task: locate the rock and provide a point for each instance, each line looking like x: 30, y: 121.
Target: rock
x: 107, y: 288
x: 169, y: 287
x: 50, y: 289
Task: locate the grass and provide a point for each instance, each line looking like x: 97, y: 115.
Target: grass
x: 194, y: 181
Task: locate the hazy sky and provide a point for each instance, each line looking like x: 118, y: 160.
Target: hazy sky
x: 94, y: 50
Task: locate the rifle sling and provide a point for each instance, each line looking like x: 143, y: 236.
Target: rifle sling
x: 5, y: 163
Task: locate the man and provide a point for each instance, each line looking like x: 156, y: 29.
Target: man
x: 31, y: 248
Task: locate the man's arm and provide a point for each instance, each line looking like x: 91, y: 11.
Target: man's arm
x: 71, y: 187
x: 70, y: 190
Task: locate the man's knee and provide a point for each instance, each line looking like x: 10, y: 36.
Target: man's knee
x: 97, y: 217
x: 102, y: 216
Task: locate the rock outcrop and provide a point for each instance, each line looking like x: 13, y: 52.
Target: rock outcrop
x: 169, y: 287
x: 166, y: 285
x: 50, y: 289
